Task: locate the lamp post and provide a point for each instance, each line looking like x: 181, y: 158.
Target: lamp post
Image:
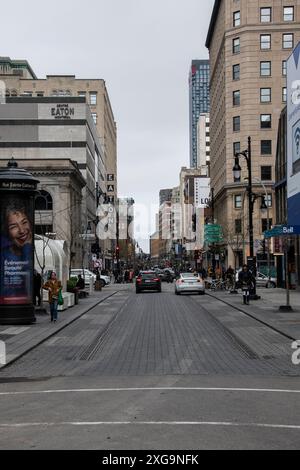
x: 237, y: 172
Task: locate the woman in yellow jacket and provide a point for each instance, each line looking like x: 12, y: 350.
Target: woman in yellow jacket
x: 53, y: 286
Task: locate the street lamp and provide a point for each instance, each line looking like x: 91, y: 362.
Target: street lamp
x: 237, y: 171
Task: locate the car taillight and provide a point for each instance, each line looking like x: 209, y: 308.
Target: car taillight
x: 139, y: 279
x: 156, y: 279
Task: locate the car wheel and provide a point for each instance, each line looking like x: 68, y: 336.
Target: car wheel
x: 271, y: 285
x: 103, y: 283
x: 138, y: 291
x: 177, y: 293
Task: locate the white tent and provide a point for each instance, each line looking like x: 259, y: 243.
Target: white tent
x: 53, y: 254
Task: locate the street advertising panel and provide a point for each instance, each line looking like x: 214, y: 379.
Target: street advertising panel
x: 293, y: 137
x: 16, y: 250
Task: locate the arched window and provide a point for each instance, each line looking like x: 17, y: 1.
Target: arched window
x: 43, y: 201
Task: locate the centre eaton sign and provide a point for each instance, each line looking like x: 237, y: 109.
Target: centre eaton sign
x: 62, y: 111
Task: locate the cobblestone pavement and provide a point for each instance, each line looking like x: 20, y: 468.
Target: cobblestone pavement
x: 154, y: 371
x: 159, y: 334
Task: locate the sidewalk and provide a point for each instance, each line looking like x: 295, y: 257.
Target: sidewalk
x: 21, y: 339
x: 267, y: 309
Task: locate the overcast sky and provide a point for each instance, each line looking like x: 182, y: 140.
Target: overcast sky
x: 143, y: 50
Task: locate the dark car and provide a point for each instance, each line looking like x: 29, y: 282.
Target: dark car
x: 148, y: 280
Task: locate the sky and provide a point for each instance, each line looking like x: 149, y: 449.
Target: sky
x: 143, y: 50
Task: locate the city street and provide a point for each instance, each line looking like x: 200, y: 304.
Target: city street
x: 154, y: 371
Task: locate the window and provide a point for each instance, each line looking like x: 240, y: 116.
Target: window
x: 265, y: 121
x: 236, y: 72
x: 238, y: 201
x: 238, y: 226
x: 236, y: 18
x: 236, y: 46
x: 284, y: 94
x: 266, y: 147
x: 287, y: 41
x: 265, y: 41
x: 236, y: 98
x: 265, y: 69
x: 266, y: 173
x: 95, y: 116
x: 40, y: 94
x: 93, y: 98
x: 265, y: 95
x: 284, y: 68
x: 82, y: 94
x: 236, y: 124
x: 266, y: 15
x: 264, y: 224
x: 43, y: 201
x: 236, y: 148
x: 288, y: 13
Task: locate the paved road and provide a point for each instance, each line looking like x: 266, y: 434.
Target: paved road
x: 167, y: 372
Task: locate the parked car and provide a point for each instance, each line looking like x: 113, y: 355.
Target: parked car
x: 90, y: 277
x: 189, y: 282
x: 261, y: 280
x: 147, y: 280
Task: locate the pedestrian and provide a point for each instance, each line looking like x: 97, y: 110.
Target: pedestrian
x: 37, y: 284
x: 246, y: 283
x: 53, y: 285
x: 80, y: 283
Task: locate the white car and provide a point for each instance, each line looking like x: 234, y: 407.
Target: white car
x: 89, y: 276
x: 189, y: 282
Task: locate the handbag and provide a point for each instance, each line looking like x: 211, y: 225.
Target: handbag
x: 60, y: 298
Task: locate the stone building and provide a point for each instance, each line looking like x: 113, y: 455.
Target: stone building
x: 249, y: 43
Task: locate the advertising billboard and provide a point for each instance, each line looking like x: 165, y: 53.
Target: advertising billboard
x: 293, y: 137
x: 16, y: 250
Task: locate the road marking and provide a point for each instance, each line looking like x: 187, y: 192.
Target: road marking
x: 153, y: 423
x: 15, y: 330
x: 150, y: 389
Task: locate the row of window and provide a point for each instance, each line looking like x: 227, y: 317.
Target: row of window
x: 265, y: 223
x: 56, y: 93
x: 265, y: 147
x: 238, y: 201
x: 266, y: 15
x: 266, y: 42
x: 265, y: 122
x: 265, y: 69
x: 265, y: 96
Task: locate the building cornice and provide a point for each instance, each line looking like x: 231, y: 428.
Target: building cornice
x: 213, y: 22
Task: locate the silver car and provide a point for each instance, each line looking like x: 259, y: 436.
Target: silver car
x: 189, y: 282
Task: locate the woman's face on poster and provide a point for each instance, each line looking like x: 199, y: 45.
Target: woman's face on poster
x: 19, y: 228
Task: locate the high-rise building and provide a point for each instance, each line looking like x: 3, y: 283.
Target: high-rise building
x: 199, y: 102
x: 248, y: 47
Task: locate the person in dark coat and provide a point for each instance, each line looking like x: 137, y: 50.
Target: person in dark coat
x: 246, y: 282
x: 37, y: 284
x: 80, y: 283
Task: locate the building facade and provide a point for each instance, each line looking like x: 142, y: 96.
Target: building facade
x: 203, y: 144
x: 39, y: 129
x: 249, y: 44
x: 199, y: 102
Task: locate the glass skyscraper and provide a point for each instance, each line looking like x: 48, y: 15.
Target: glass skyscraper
x: 199, y: 101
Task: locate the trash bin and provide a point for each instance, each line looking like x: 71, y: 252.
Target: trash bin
x: 98, y: 286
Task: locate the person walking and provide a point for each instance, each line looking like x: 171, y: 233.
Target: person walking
x: 37, y: 284
x: 246, y: 282
x: 53, y: 285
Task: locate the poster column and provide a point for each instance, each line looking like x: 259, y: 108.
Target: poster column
x: 17, y: 193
